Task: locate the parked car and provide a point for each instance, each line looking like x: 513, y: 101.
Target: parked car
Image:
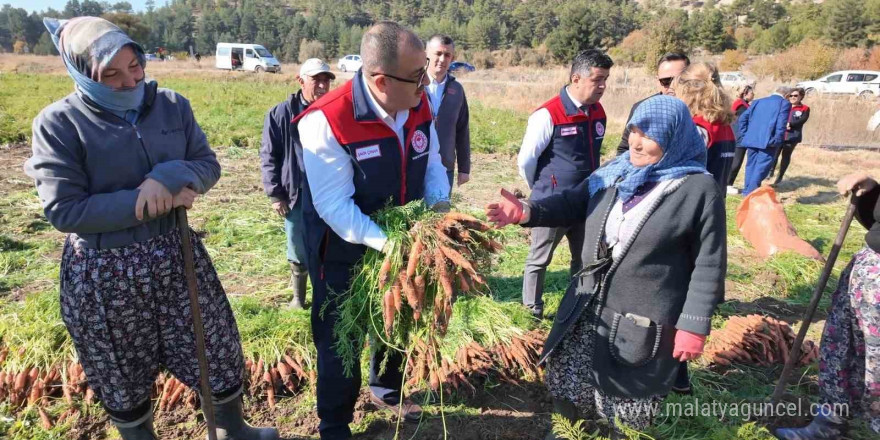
x: 733, y: 79
x: 461, y: 66
x: 350, y: 63
x: 233, y: 56
x: 864, y: 83
x: 151, y: 57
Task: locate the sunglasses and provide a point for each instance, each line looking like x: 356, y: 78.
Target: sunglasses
x: 666, y: 82
x: 421, y: 78
x: 794, y: 96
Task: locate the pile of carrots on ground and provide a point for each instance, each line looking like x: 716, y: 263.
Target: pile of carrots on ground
x: 756, y: 340
x: 509, y: 361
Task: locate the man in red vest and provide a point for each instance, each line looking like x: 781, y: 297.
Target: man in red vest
x: 369, y: 142
x: 559, y: 150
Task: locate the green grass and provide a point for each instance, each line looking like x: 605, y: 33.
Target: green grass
x: 246, y: 242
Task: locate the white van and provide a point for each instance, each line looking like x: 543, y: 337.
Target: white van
x: 251, y: 57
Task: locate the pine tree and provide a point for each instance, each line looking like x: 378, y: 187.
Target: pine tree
x: 847, y: 26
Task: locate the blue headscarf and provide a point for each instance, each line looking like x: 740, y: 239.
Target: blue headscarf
x: 667, y: 121
x: 87, y: 45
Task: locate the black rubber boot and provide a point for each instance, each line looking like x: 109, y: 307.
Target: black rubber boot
x: 567, y: 410
x: 298, y: 277
x: 231, y: 424
x: 821, y: 428
x: 141, y: 429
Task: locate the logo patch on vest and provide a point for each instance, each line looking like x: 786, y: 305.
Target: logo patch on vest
x: 419, y: 141
x: 568, y: 131
x: 369, y: 152
x: 600, y: 129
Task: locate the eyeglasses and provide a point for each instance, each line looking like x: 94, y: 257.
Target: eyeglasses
x: 666, y: 82
x: 405, y: 80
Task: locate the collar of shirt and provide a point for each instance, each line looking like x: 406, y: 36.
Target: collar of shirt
x: 441, y: 83
x: 396, y: 122
x: 576, y: 102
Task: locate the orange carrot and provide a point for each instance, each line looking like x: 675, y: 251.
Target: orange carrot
x: 465, y: 287
x: 175, y: 397
x: 385, y: 271
x: 413, y: 261
x: 270, y: 391
x: 442, y: 273
x: 388, y: 315
x: 468, y: 221
x: 409, y: 290
x: 44, y: 419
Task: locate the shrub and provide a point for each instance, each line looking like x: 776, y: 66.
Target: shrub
x: 809, y: 59
x: 482, y: 59
x: 535, y: 57
x: 852, y: 58
x: 744, y: 37
x: 632, y: 50
x: 874, y: 59
x: 19, y: 47
x: 311, y: 49
x: 508, y: 58
x: 733, y: 59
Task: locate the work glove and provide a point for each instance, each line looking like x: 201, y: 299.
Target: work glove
x: 688, y: 345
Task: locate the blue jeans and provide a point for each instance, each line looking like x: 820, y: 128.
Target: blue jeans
x: 759, y: 163
x: 293, y: 228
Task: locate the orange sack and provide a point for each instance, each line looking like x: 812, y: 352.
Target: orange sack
x: 762, y: 221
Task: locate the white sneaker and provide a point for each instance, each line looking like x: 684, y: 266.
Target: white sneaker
x: 732, y: 190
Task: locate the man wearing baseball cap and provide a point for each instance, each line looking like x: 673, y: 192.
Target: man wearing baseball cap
x: 282, y: 166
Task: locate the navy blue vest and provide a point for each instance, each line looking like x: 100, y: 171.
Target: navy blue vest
x: 385, y: 172
x: 573, y: 152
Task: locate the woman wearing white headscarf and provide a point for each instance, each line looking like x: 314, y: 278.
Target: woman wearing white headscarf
x: 111, y: 161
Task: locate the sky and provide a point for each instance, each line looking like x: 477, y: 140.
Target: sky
x: 42, y: 5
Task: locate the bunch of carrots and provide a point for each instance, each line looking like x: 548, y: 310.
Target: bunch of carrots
x: 404, y: 298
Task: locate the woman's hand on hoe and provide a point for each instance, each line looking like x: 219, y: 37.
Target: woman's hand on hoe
x: 861, y: 183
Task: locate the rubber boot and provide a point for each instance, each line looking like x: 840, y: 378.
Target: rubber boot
x: 141, y: 429
x: 821, y: 428
x: 231, y: 425
x: 567, y: 410
x: 298, y: 277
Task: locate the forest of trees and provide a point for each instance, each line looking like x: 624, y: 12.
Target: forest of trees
x: 294, y: 29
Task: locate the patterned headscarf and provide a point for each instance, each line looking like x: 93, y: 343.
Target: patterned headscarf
x: 87, y: 45
x: 667, y: 121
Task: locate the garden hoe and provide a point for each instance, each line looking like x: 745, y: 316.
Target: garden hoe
x: 198, y: 327
x: 814, y: 302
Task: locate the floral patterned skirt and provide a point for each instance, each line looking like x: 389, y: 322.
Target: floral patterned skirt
x: 568, y: 371
x: 128, y: 312
x: 849, y: 359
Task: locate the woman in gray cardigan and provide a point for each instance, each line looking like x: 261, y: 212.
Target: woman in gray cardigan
x: 654, y: 265
x: 111, y: 161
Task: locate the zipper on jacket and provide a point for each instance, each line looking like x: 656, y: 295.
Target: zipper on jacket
x: 403, y: 158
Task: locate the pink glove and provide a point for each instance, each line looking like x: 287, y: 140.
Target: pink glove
x: 688, y: 346
x: 509, y: 211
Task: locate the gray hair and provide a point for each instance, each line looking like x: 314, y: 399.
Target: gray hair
x: 783, y: 90
x: 381, y: 44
